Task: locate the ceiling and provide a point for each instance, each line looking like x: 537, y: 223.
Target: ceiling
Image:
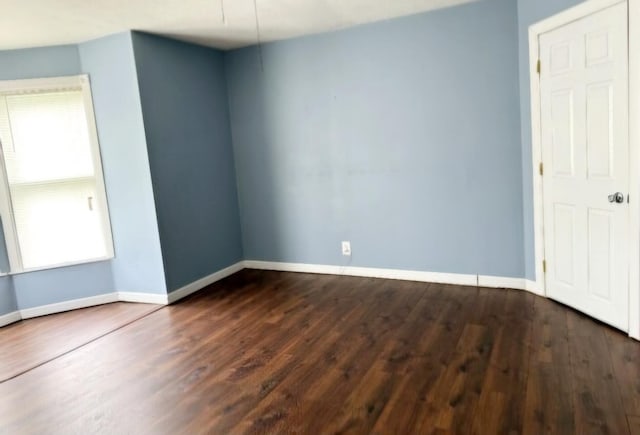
x: 33, y: 23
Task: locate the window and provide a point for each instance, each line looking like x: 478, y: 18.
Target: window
x: 52, y: 199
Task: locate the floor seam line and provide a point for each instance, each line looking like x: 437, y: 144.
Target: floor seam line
x: 79, y: 346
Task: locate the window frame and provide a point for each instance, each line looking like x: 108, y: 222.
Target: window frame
x: 53, y: 84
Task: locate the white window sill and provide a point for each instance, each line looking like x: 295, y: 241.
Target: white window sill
x: 58, y: 266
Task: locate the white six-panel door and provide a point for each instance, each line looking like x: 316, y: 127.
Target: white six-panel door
x: 585, y: 152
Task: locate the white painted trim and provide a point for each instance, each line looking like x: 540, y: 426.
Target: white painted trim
x: 634, y: 158
x: 204, y: 282
x: 74, y: 304
x: 536, y: 154
x: 7, y: 319
x: 501, y: 282
x: 533, y: 287
x: 6, y: 214
x: 60, y: 265
x: 42, y: 84
x: 143, y: 298
x: 584, y: 9
x: 406, y: 275
x: 98, y: 174
x: 569, y: 15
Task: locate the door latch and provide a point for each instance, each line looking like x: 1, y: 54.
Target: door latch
x: 617, y: 197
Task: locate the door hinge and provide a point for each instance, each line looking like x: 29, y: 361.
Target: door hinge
x: 538, y: 66
x: 541, y: 168
x: 544, y: 266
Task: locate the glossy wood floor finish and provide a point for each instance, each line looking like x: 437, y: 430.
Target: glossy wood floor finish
x: 30, y: 343
x: 279, y: 353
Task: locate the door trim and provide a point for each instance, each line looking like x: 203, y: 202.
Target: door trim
x: 584, y: 9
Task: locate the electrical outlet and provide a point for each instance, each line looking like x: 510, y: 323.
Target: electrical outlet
x: 346, y: 249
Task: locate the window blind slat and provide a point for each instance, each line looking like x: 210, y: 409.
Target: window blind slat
x: 49, y: 136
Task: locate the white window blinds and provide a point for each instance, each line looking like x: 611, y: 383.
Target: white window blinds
x: 48, y: 138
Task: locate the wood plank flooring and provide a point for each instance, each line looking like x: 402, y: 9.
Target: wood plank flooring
x: 280, y: 353
x: 30, y: 343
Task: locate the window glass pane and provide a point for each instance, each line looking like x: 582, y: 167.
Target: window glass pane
x: 58, y: 223
x: 49, y: 137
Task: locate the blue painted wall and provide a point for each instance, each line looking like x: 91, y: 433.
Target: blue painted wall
x: 402, y: 137
x: 530, y: 12
x: 185, y: 107
x: 34, y: 289
x: 110, y: 63
x: 35, y: 63
x: 8, y: 302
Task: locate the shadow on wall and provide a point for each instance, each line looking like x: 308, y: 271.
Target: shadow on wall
x: 268, y: 200
x: 530, y: 12
x: 4, y: 257
x: 402, y: 137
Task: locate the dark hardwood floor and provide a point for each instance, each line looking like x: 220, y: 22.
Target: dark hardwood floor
x: 278, y: 353
x: 30, y: 343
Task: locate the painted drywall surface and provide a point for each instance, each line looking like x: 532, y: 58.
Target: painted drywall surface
x: 35, y: 63
x: 34, y: 289
x: 185, y: 107
x: 137, y: 266
x: 530, y: 12
x: 8, y: 302
x: 402, y: 137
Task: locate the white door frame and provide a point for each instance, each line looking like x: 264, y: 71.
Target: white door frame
x: 587, y: 8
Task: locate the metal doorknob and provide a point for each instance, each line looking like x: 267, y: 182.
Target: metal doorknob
x: 617, y: 197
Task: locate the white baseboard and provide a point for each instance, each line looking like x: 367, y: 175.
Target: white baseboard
x: 143, y: 298
x: 534, y: 287
x: 513, y: 283
x: 74, y: 304
x: 204, y: 282
x: 160, y: 299
x: 407, y: 275
x: 369, y: 272
x: 9, y: 318
x: 501, y: 282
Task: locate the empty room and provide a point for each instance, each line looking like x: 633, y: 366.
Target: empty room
x: 320, y: 217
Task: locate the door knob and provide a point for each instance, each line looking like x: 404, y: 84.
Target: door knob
x: 617, y: 197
